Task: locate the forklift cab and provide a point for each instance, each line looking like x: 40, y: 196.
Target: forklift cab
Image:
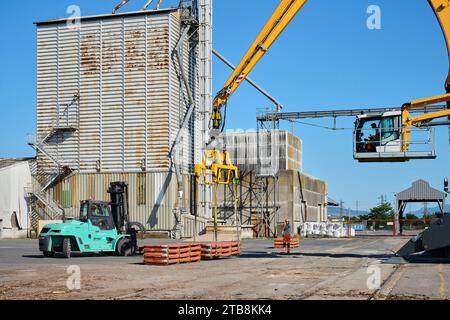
x: 98, y: 213
x: 378, y: 138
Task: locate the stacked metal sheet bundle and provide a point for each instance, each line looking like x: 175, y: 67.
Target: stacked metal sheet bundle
x: 279, y: 242
x: 172, y: 254
x: 217, y: 250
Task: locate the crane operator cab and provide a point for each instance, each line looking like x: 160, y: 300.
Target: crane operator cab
x: 379, y: 138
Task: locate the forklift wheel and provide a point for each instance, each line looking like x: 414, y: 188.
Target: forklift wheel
x: 124, y: 247
x: 66, y: 249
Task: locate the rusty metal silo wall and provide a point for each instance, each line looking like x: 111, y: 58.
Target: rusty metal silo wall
x: 131, y: 99
x: 131, y: 106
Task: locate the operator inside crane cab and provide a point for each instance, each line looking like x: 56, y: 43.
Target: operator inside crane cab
x: 374, y: 140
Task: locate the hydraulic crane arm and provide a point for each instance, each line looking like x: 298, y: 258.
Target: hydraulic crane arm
x: 442, y: 10
x: 280, y: 19
x: 409, y: 121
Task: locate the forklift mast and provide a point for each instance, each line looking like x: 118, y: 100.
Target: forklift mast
x: 118, y: 192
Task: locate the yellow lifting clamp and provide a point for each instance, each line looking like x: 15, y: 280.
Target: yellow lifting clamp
x: 216, y: 169
x: 217, y: 163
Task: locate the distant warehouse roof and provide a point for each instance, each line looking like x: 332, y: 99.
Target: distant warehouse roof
x: 420, y: 192
x: 333, y: 203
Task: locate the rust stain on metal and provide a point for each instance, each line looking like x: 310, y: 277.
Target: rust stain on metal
x: 89, y: 59
x: 135, y: 55
x: 158, y: 54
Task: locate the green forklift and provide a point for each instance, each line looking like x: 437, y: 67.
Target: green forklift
x: 102, y: 227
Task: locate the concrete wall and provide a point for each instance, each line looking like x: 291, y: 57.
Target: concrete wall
x: 302, y: 198
x: 264, y: 152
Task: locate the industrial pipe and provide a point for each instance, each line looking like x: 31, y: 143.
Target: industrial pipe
x: 124, y: 2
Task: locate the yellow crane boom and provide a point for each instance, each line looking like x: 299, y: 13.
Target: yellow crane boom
x: 277, y: 23
x: 280, y: 19
x: 442, y: 10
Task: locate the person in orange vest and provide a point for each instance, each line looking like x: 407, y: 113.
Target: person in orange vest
x: 287, y: 236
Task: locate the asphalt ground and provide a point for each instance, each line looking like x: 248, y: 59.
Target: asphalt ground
x: 319, y: 269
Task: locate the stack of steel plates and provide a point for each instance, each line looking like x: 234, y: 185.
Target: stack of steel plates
x: 295, y: 243
x: 215, y: 250
x: 172, y: 254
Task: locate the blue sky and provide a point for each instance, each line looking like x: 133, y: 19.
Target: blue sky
x: 326, y: 59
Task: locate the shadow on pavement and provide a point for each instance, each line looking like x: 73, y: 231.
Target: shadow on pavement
x: 258, y: 254
x: 345, y: 255
x: 59, y: 256
x: 426, y: 258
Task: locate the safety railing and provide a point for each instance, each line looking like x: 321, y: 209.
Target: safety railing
x: 388, y: 143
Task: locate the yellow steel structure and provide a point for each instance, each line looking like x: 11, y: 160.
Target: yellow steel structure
x: 216, y: 168
x: 408, y: 121
x: 280, y: 19
x: 442, y: 10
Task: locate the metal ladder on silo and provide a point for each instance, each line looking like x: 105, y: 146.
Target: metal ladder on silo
x: 46, y: 177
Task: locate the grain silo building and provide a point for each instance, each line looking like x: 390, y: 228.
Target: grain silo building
x: 110, y: 102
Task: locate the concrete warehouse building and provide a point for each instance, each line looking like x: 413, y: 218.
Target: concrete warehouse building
x: 271, y: 185
x: 110, y: 103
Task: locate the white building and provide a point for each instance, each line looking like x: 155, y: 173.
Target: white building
x: 15, y: 179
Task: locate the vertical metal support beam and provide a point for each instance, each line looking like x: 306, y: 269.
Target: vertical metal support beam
x: 205, y: 68
x: 205, y: 19
x: 174, y: 152
x: 216, y: 211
